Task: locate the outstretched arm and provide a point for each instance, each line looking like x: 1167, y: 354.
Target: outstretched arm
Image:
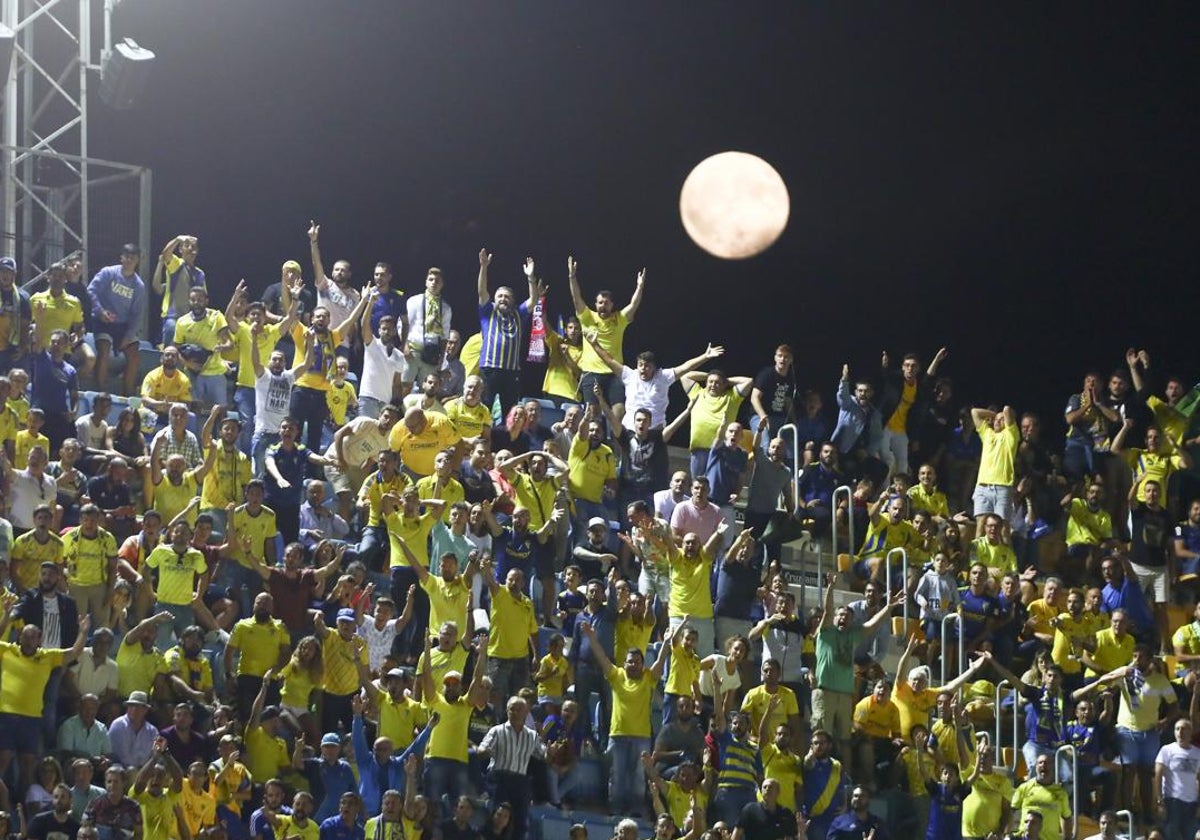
x: 573, y: 282
x: 485, y: 260
x: 709, y: 353
x: 630, y: 310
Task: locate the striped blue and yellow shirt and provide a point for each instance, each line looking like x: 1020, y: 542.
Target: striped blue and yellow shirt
x: 741, y: 764
x: 501, y: 336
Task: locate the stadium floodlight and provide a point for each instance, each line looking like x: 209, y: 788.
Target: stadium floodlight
x: 124, y: 74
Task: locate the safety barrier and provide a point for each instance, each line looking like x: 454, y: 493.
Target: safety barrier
x: 796, y: 468
x: 903, y: 573
x: 1074, y: 783
x: 1016, y: 724
x: 845, y: 488
x: 962, y: 648
x: 1128, y: 816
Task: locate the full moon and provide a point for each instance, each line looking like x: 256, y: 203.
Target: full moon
x: 734, y: 205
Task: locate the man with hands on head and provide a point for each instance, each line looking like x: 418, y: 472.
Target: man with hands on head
x: 157, y: 789
x: 379, y: 768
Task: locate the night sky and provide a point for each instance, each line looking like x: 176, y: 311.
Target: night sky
x: 1016, y: 181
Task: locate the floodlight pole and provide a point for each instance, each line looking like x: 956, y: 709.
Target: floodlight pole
x: 45, y: 117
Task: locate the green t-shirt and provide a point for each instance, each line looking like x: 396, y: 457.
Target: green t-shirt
x: 835, y: 658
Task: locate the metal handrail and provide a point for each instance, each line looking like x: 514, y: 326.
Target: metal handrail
x: 849, y: 516
x: 903, y: 573
x: 796, y: 468
x: 962, y: 649
x: 1016, y: 737
x: 1074, y: 784
x: 1128, y: 815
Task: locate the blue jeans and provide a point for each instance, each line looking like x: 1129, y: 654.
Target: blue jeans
x: 370, y: 407
x: 1181, y: 819
x: 241, y: 584
x: 373, y: 550
x: 585, y: 510
x: 258, y: 450
x: 589, y: 679
x: 184, y: 618
x: 445, y: 781
x: 627, y: 774
x: 168, y: 329
x: 210, y: 389
x: 308, y: 405
x: 50, y: 708
x: 1031, y: 751
x: 729, y: 802
x: 243, y: 398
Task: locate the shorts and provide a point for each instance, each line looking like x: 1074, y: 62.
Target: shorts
x: 415, y: 370
x: 613, y: 387
x: 295, y: 711
x: 543, y: 560
x: 20, y: 733
x: 833, y: 711
x: 993, y: 498
x: 345, y: 482
x: 1154, y: 581
x: 117, y: 334
x: 933, y: 630
x: 1138, y: 749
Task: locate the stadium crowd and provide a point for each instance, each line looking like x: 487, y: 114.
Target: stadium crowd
x: 330, y: 573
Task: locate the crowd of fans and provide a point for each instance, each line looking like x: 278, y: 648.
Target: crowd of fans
x: 389, y: 591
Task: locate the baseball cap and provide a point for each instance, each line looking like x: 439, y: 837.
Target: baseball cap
x: 401, y: 672
x: 597, y: 522
x: 347, y: 614
x: 331, y: 739
x: 9, y: 263
x: 452, y: 675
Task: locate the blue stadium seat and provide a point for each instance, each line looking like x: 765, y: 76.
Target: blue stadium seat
x: 114, y: 411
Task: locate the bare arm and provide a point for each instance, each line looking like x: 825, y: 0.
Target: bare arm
x: 710, y: 352
x: 573, y: 282
x: 630, y: 310
x: 485, y: 260
x: 314, y: 233
x: 676, y: 424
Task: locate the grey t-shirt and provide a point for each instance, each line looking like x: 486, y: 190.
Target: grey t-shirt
x: 768, y: 481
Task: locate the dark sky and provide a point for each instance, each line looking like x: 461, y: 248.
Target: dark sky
x: 1017, y: 181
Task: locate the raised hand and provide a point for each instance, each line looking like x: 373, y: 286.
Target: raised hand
x: 314, y: 231
x: 356, y: 704
x: 529, y: 267
x: 641, y: 277
x: 485, y: 258
x: 1131, y: 356
x: 572, y: 267
x: 712, y: 352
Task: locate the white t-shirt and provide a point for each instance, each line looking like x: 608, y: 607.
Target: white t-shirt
x: 51, y: 623
x: 271, y: 397
x: 340, y: 303
x: 91, y: 435
x: 379, y: 642
x: 652, y: 395
x: 363, y: 441
x: 96, y: 679
x: 25, y: 493
x: 1180, y: 776
x: 380, y: 365
x: 729, y: 682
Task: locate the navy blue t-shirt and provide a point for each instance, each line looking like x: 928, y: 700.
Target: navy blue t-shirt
x: 292, y: 465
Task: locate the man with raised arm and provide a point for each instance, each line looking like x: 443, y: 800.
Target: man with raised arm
x: 502, y: 325
x: 646, y: 387
x: 446, y: 754
x: 607, y: 325
x: 336, y: 295
x: 629, y: 735
x: 1000, y: 435
x: 312, y: 384
x: 174, y: 278
x: 383, y: 361
x: 837, y: 638
x: 27, y: 668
